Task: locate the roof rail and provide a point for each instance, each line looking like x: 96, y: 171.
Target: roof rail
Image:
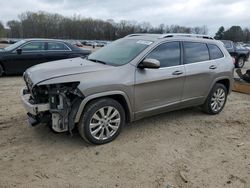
x: 135, y: 34
x: 143, y: 34
x: 186, y: 35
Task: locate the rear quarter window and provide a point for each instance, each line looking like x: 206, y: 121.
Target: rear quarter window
x: 215, y: 52
x: 195, y: 52
x: 56, y: 46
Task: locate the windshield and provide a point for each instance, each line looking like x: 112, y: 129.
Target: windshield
x: 15, y: 45
x: 119, y: 52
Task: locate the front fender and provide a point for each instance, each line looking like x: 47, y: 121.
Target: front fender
x: 99, y: 95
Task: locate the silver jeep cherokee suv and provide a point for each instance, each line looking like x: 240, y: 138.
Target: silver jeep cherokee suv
x: 134, y: 77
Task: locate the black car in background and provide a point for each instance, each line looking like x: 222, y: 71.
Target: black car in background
x: 240, y: 54
x: 16, y: 58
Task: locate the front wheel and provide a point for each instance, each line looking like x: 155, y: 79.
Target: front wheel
x: 102, y: 121
x: 216, y: 99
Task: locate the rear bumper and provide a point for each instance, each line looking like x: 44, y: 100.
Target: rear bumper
x: 33, y: 109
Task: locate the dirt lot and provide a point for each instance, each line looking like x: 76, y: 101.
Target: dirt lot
x: 181, y: 149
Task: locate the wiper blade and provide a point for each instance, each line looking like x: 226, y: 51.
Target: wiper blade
x: 97, y: 61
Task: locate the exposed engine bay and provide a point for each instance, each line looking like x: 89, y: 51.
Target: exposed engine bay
x: 63, y: 99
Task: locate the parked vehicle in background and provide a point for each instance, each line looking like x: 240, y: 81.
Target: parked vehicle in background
x: 137, y: 76
x: 88, y: 43
x: 95, y: 43
x: 240, y: 54
x: 75, y: 43
x: 16, y: 58
x: 247, y: 46
x: 9, y: 41
x: 100, y: 44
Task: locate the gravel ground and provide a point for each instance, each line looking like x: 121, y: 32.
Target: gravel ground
x: 184, y: 148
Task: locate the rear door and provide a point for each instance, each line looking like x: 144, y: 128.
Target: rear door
x: 56, y: 51
x: 200, y: 70
x: 158, y: 88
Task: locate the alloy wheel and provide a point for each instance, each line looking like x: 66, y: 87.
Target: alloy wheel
x: 218, y: 100
x: 105, y: 123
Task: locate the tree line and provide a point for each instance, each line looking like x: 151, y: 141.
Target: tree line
x: 47, y: 25
x: 234, y: 33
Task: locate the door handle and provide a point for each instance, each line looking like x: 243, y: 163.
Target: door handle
x: 213, y: 67
x: 177, y: 72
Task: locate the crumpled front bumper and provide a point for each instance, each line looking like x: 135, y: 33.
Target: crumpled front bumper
x: 33, y: 109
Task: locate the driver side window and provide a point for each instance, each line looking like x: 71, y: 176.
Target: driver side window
x: 169, y: 54
x: 33, y: 46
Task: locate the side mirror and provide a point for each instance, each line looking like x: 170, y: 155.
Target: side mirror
x: 150, y: 64
x: 19, y: 51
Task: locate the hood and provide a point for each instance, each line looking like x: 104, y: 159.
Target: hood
x: 66, y: 67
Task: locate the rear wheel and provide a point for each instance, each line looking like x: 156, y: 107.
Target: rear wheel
x: 216, y: 99
x: 102, y: 121
x: 1, y: 70
x: 241, y: 62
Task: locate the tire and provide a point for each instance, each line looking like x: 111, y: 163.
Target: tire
x: 1, y: 70
x: 216, y: 99
x: 105, y: 128
x: 240, y: 63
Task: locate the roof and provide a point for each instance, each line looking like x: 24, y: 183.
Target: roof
x: 43, y: 39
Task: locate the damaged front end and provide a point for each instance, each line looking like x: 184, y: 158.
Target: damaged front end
x: 54, y: 104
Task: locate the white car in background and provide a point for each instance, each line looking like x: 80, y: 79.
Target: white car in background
x: 247, y: 46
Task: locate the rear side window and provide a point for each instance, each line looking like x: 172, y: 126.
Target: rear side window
x: 55, y: 46
x: 215, y: 52
x: 168, y: 54
x: 195, y: 52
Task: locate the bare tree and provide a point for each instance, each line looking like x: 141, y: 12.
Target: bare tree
x: 47, y: 25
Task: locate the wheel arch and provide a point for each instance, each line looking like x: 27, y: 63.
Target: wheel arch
x: 119, y: 96
x: 226, y: 81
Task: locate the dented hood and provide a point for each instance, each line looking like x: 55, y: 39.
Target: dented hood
x: 55, y: 69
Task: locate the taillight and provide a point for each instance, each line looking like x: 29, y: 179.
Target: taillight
x: 233, y: 60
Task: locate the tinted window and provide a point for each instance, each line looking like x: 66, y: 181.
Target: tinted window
x: 168, y: 54
x: 56, y: 46
x: 34, y: 46
x: 195, y: 52
x: 215, y: 52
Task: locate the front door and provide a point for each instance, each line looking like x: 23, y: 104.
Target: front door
x: 32, y: 53
x: 157, y: 89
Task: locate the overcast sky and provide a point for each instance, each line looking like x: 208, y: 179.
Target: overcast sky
x: 212, y: 13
